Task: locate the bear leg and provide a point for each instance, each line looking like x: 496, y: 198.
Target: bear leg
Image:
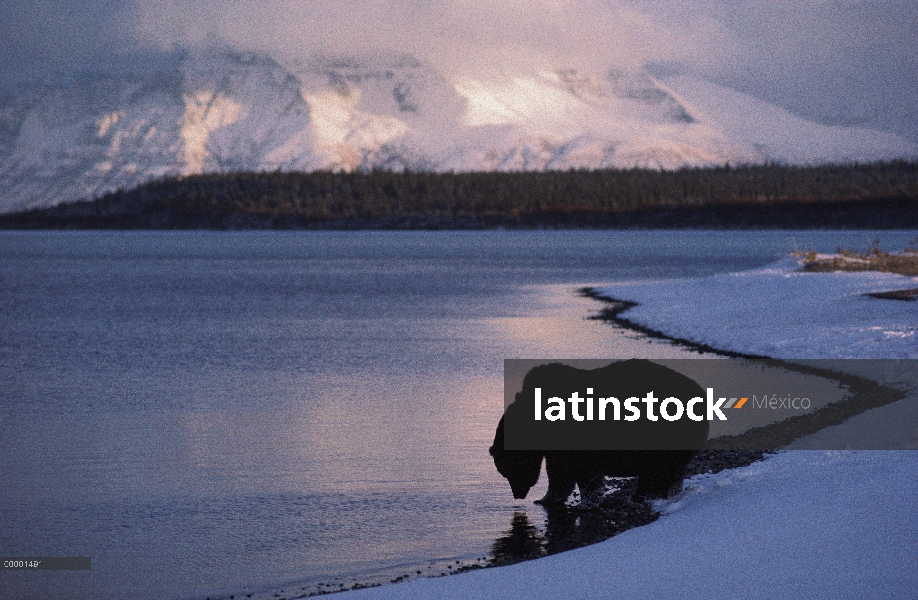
x: 558, y: 491
x: 663, y: 475
x: 562, y: 476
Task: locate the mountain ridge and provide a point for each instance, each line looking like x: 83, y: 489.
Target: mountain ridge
x: 230, y: 111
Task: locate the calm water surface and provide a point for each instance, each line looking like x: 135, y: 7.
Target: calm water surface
x: 232, y: 413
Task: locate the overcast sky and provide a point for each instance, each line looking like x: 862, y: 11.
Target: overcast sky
x: 845, y: 62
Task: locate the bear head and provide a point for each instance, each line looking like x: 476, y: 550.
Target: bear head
x: 520, y: 467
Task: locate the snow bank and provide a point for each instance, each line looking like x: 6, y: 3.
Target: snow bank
x: 780, y: 312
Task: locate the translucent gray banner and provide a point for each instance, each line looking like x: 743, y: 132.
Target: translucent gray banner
x: 716, y: 404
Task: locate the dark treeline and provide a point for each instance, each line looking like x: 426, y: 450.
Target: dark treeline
x: 878, y: 195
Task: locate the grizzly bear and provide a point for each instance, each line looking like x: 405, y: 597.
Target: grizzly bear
x: 659, y: 472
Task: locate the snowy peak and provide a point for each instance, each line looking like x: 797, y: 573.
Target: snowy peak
x: 226, y: 99
x: 228, y: 111
x: 780, y: 136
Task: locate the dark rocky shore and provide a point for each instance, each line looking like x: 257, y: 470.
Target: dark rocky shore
x: 881, y: 213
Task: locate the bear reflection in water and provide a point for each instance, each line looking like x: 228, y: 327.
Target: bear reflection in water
x: 565, y: 530
x: 656, y: 452
x: 521, y: 542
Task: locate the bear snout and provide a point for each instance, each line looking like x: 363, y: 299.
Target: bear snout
x: 519, y: 492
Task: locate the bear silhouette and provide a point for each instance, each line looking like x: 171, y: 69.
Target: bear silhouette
x: 656, y: 452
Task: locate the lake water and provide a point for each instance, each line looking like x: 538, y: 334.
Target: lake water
x: 208, y: 414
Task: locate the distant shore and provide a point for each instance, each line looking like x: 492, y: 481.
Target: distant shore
x: 873, y: 196
x: 893, y: 213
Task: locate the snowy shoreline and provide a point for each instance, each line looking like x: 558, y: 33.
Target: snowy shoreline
x: 779, y: 312
x: 820, y: 524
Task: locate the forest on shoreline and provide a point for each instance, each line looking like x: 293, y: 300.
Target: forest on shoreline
x: 871, y: 196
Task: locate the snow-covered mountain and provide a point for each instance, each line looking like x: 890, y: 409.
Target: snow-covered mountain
x: 225, y: 111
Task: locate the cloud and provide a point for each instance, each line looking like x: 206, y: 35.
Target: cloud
x: 457, y: 35
x: 65, y: 33
x: 836, y: 61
